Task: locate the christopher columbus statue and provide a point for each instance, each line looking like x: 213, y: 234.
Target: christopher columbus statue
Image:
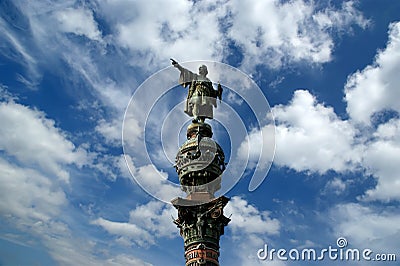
x: 201, y: 95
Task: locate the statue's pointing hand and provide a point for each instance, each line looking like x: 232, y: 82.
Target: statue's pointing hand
x: 174, y: 63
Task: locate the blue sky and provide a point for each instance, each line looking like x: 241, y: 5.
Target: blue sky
x: 68, y: 69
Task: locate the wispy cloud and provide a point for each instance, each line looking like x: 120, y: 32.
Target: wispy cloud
x: 36, y: 163
x: 33, y: 139
x: 146, y: 223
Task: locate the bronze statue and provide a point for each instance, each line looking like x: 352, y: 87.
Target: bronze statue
x: 201, y: 95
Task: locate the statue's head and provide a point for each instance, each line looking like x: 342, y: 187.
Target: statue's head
x: 203, y: 70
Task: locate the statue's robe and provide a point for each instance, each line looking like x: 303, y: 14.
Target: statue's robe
x: 201, y: 92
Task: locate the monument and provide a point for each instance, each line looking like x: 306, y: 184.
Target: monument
x: 199, y: 164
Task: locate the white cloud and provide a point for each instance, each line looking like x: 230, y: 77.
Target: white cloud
x: 133, y: 129
x: 250, y: 228
x: 55, y: 49
x: 233, y: 98
x: 155, y: 216
x: 382, y: 159
x: 111, y: 131
x: 153, y: 37
x: 258, y: 147
x: 124, y: 259
x: 310, y: 136
x: 153, y: 181
x: 128, y: 230
x: 34, y: 140
x: 5, y: 95
x: 32, y: 200
x: 247, y: 219
x: 295, y: 31
x: 298, y: 29
x: 108, y: 165
x: 78, y: 21
x: 35, y: 207
x: 367, y: 227
x: 278, y: 33
x: 68, y: 248
x: 375, y: 88
x: 156, y: 183
x: 145, y: 222
x: 342, y: 18
x: 192, y: 28
x: 28, y: 195
x: 123, y: 165
x: 336, y: 186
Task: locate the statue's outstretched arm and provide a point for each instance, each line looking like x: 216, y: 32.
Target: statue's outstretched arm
x: 176, y: 64
x: 186, y: 76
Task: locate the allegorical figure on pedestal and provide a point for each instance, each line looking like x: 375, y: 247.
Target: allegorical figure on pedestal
x: 199, y: 164
x: 201, y: 96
